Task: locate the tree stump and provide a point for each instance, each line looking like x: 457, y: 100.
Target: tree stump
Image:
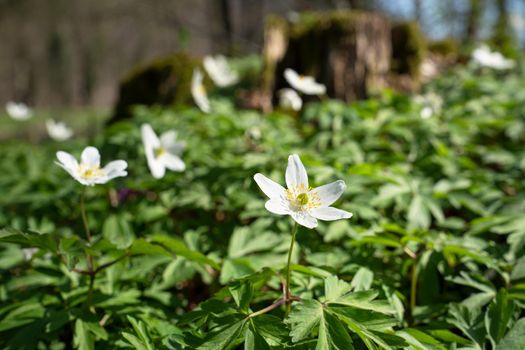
x: 165, y: 81
x: 348, y: 51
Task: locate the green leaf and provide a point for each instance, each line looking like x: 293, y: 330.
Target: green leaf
x: 168, y: 246
x: 363, y: 279
x: 308, y: 315
x: 224, y: 338
x: 118, y: 231
x: 83, y: 339
x: 515, y: 338
x: 242, y: 293
x: 304, y: 318
x: 134, y: 341
x: 43, y: 241
x: 332, y: 334
x: 418, y: 215
x: 253, y: 341
x: 498, y: 316
x: 335, y: 288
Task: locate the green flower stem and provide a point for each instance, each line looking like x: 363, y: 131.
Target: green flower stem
x: 413, y: 288
x: 83, y: 213
x: 287, y: 293
x: 89, y: 258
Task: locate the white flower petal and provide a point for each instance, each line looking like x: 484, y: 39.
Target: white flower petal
x: 277, y: 206
x: 270, y: 188
x: 305, y: 84
x: 198, y: 92
x: 67, y: 161
x: 219, y: 71
x: 58, y: 131
x: 18, y: 111
x: 296, y: 173
x: 172, y: 162
x: 304, y: 219
x: 116, y: 168
x: 288, y: 98
x: 157, y: 168
x: 168, y: 138
x: 168, y: 141
x: 330, y: 213
x: 90, y: 157
x: 329, y: 193
x: 149, y: 138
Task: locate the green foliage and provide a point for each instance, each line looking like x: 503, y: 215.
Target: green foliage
x: 432, y: 259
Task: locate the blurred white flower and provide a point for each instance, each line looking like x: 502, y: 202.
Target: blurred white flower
x: 304, y: 204
x: 18, y: 111
x: 491, y: 59
x: 428, y: 69
x: 58, y: 130
x: 88, y: 172
x: 28, y: 253
x: 305, y: 84
x: 431, y: 104
x: 426, y: 112
x: 288, y: 98
x: 163, y: 152
x: 219, y: 71
x: 199, y: 92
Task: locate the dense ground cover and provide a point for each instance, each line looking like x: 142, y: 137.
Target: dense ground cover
x: 431, y: 259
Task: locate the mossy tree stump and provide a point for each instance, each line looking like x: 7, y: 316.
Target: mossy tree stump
x: 165, y: 81
x: 348, y: 51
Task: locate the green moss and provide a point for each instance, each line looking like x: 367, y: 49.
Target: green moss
x: 444, y: 47
x: 164, y: 81
x: 408, y: 48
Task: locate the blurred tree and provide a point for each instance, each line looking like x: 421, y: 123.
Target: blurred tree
x: 226, y: 17
x: 474, y: 14
x: 418, y: 11
x: 502, y: 36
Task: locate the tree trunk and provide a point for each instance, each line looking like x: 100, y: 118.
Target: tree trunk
x: 473, y: 20
x: 347, y: 51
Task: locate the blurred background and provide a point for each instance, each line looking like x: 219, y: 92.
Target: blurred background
x: 65, y: 57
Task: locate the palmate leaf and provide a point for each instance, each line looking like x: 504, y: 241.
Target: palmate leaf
x: 515, y: 338
x: 343, y: 313
x: 498, y: 316
x: 43, y: 241
x: 311, y: 314
x: 224, y: 338
x: 169, y: 246
x: 338, y: 292
x: 118, y: 231
x: 141, y: 341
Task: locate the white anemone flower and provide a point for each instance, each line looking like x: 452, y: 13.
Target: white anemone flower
x: 305, y: 84
x: 288, y: 98
x: 426, y: 112
x: 304, y: 204
x: 163, y: 152
x: 491, y: 59
x: 18, y: 111
x: 199, y: 92
x: 58, y: 131
x: 89, y: 172
x: 219, y: 71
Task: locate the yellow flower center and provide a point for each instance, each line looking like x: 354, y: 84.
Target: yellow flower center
x: 89, y: 173
x: 302, y: 198
x: 159, y: 152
